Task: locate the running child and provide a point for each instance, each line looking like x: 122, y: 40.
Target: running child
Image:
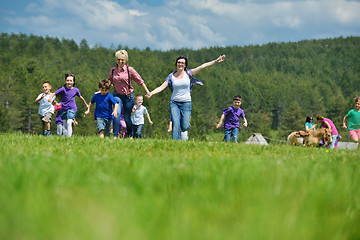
x: 104, y: 113
x: 354, y: 121
x: 68, y: 92
x: 46, y: 109
x: 232, y: 116
x: 137, y: 116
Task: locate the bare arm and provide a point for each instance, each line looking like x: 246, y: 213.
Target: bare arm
x: 88, y: 109
x: 344, y: 121
x: 221, y: 121
x: 148, y: 116
x: 157, y: 90
x: 208, y: 64
x: 328, y: 125
x: 245, y: 124
x: 115, y: 110
x: 83, y: 100
x: 38, y: 99
x: 145, y: 88
x: 52, y: 95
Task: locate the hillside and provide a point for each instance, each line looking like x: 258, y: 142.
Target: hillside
x: 281, y: 83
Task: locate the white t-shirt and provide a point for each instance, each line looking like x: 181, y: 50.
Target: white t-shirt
x: 181, y: 89
x: 138, y: 117
x: 44, y: 105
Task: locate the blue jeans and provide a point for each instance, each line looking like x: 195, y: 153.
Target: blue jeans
x: 180, y: 116
x: 128, y: 102
x: 137, y: 130
x: 232, y: 133
x: 69, y: 114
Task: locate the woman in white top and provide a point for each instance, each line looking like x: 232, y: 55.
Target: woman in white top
x: 180, y: 83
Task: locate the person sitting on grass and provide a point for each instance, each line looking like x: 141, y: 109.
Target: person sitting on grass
x: 104, y: 112
x: 232, y: 116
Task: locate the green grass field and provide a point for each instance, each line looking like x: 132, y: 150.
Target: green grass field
x: 88, y: 188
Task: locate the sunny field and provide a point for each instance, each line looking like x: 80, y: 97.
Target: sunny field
x: 88, y: 188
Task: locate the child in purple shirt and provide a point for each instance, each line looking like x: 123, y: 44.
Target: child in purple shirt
x: 69, y: 108
x: 232, y: 116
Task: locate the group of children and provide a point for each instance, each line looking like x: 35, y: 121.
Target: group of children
x: 107, y: 106
x: 105, y: 110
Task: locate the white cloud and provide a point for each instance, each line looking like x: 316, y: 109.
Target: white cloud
x: 137, y: 13
x: 188, y: 23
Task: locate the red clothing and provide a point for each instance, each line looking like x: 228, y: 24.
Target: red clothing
x: 121, y: 79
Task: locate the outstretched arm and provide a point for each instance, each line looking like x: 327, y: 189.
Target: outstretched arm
x: 208, y: 64
x: 157, y: 90
x: 145, y: 88
x: 88, y: 109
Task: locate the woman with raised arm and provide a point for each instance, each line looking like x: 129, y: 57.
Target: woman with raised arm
x: 180, y: 83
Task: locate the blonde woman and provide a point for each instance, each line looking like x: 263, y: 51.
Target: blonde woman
x: 122, y: 77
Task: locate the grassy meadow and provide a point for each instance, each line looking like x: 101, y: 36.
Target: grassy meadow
x: 91, y: 188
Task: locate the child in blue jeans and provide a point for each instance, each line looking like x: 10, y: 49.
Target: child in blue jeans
x: 137, y: 117
x: 232, y: 116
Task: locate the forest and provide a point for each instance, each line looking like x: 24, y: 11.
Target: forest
x: 280, y: 83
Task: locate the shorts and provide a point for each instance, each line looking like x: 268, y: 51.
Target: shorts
x: 354, y: 134
x: 104, y: 124
x: 47, y: 117
x: 69, y: 114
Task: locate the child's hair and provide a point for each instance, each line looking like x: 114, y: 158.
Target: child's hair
x: 357, y: 99
x: 46, y: 82
x: 70, y: 75
x: 320, y: 117
x: 137, y: 96
x: 182, y: 57
x: 237, y: 98
x: 104, y: 84
x: 308, y: 118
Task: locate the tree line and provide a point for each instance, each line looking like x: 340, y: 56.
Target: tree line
x: 281, y: 83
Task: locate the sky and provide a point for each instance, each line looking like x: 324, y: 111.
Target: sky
x: 175, y: 24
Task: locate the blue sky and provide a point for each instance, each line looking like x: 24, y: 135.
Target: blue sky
x: 174, y: 24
